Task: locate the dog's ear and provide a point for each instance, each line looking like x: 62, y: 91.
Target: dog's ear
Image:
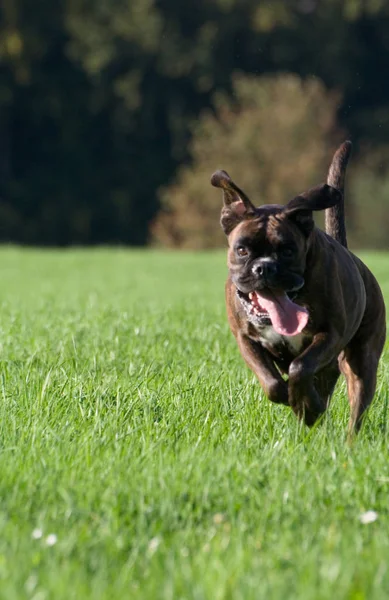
x: 318, y: 198
x: 237, y: 205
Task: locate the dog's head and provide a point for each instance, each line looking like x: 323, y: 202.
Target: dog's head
x: 268, y: 249
x: 267, y: 245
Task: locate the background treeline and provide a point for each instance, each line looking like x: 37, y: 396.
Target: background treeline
x: 114, y: 113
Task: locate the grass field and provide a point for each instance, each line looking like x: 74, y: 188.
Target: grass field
x: 140, y: 460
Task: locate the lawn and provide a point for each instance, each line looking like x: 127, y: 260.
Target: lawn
x: 140, y: 460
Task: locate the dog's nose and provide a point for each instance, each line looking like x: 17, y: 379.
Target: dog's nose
x: 264, y: 268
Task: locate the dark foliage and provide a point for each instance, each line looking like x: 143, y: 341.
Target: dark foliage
x: 98, y: 97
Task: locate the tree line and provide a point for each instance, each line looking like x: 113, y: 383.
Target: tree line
x: 106, y: 107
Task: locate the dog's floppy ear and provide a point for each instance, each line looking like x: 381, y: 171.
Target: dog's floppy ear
x: 237, y: 205
x: 318, y: 198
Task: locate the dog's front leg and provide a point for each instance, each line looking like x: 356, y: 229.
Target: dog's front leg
x: 262, y: 365
x: 303, y: 397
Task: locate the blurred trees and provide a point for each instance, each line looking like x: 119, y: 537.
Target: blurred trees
x: 99, y: 100
x: 274, y: 138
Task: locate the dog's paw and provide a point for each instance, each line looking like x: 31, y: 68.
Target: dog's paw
x: 306, y: 403
x: 277, y: 392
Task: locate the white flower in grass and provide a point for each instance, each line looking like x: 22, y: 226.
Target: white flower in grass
x: 153, y: 545
x: 368, y: 517
x: 37, y: 534
x: 218, y: 518
x: 51, y: 539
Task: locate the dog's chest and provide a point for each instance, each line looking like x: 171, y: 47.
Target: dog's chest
x: 275, y: 341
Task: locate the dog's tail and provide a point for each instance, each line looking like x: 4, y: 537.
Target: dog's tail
x: 335, y: 224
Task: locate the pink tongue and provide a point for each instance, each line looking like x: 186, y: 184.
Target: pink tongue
x: 287, y: 317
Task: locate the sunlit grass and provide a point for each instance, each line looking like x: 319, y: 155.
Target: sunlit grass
x: 140, y: 460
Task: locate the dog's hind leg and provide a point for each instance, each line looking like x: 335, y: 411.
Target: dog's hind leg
x: 359, y: 360
x: 359, y: 366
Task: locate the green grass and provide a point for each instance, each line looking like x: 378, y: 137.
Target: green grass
x: 132, y: 430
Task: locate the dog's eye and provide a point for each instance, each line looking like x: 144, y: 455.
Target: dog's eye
x: 242, y: 251
x: 286, y: 252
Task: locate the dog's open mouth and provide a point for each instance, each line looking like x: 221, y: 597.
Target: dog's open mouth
x: 277, y: 309
x: 255, y: 312
x: 256, y: 304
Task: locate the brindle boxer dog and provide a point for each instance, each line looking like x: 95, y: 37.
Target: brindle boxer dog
x: 299, y: 303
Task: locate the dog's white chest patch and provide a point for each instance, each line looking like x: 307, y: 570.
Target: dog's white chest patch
x: 269, y: 337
